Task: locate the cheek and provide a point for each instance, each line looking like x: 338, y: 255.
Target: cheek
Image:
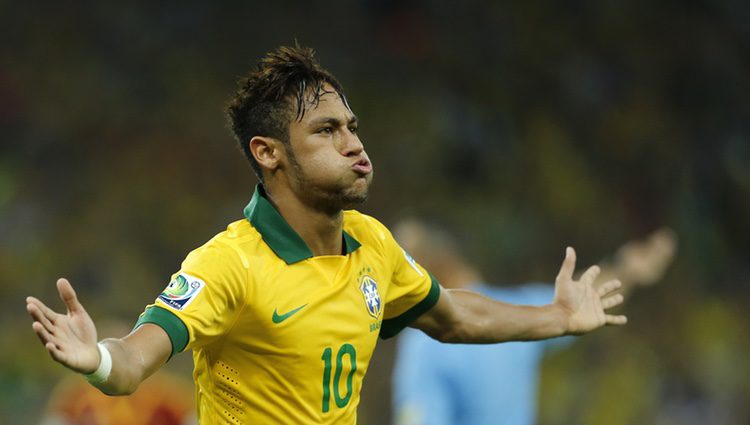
x: 319, y: 163
x: 326, y: 153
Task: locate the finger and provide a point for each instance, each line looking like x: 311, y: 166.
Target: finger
x: 568, y: 265
x: 37, y: 315
x: 46, y: 311
x: 612, y: 301
x: 607, y: 287
x: 68, y: 295
x: 43, y: 334
x: 616, y: 320
x: 590, y: 274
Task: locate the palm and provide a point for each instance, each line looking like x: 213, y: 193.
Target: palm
x: 69, y: 338
x: 585, y: 305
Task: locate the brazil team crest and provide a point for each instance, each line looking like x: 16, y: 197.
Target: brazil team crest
x: 369, y: 289
x: 181, y: 291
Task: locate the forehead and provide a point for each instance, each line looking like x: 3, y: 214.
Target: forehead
x: 327, y: 103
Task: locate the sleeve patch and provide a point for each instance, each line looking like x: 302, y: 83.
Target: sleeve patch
x: 412, y: 263
x: 181, y: 291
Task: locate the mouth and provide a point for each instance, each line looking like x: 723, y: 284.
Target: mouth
x: 362, y: 167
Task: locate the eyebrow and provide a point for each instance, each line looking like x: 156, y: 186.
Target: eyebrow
x: 333, y: 121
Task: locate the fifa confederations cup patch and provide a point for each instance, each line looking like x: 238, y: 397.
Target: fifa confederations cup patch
x: 412, y: 263
x: 181, y: 291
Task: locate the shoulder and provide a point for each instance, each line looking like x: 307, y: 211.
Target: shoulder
x: 226, y: 247
x: 237, y: 232
x: 365, y: 228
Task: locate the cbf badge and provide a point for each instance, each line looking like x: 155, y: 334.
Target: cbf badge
x: 369, y: 289
x: 181, y: 291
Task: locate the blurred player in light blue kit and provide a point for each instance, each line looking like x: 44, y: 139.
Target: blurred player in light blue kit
x: 436, y: 384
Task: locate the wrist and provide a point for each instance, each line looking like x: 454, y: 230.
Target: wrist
x: 561, y: 319
x: 103, y: 370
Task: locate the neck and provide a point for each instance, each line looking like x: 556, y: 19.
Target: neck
x: 321, y: 230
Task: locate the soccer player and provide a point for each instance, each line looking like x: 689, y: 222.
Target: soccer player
x: 282, y: 310
x: 437, y: 384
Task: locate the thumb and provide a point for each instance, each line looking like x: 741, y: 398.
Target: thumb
x: 568, y: 265
x: 68, y: 295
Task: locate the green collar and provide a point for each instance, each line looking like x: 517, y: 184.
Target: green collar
x: 278, y: 234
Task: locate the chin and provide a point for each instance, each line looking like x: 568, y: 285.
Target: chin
x: 355, y: 196
x: 341, y: 196
x: 335, y: 203
x: 349, y: 202
x: 352, y: 196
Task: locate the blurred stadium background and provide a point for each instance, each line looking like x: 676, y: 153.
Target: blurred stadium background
x: 528, y: 126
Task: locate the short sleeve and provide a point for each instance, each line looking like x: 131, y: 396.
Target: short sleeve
x: 411, y: 293
x: 203, y: 299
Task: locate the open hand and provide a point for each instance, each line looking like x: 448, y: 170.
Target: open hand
x: 69, y: 338
x: 583, y: 304
x: 644, y: 262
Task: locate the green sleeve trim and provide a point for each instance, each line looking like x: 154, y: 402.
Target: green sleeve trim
x: 393, y: 326
x: 172, y: 325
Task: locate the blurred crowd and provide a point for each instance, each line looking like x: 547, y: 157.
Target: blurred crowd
x: 526, y: 126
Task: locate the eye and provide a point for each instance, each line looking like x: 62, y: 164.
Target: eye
x: 326, y: 130
x: 354, y: 129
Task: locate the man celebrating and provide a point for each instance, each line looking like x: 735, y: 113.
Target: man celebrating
x: 283, y: 309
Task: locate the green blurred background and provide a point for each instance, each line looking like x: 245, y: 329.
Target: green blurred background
x: 527, y: 126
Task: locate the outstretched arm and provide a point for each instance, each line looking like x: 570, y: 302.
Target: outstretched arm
x: 70, y: 339
x: 466, y: 317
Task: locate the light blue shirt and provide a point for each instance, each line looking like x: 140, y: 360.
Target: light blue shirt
x: 441, y: 384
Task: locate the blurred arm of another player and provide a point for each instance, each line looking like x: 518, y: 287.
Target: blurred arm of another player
x: 642, y: 262
x: 462, y: 316
x: 70, y: 339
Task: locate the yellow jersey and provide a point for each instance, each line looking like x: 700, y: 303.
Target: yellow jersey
x: 280, y: 336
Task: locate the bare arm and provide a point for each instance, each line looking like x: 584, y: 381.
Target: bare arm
x: 70, y: 339
x: 467, y: 317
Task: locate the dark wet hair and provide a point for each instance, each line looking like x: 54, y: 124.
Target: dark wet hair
x: 285, y: 83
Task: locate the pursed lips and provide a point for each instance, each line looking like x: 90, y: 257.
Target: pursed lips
x: 363, y: 166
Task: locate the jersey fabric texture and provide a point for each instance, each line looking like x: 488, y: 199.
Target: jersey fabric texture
x: 441, y: 384
x: 280, y: 336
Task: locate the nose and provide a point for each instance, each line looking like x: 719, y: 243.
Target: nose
x: 352, y: 146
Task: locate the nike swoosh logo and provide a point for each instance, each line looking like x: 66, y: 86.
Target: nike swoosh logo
x: 278, y: 318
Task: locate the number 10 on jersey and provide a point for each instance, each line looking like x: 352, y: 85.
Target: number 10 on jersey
x: 344, y: 350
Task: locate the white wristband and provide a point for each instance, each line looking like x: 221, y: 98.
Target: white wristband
x: 105, y: 366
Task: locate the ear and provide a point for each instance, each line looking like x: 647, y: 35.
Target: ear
x: 267, y: 152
